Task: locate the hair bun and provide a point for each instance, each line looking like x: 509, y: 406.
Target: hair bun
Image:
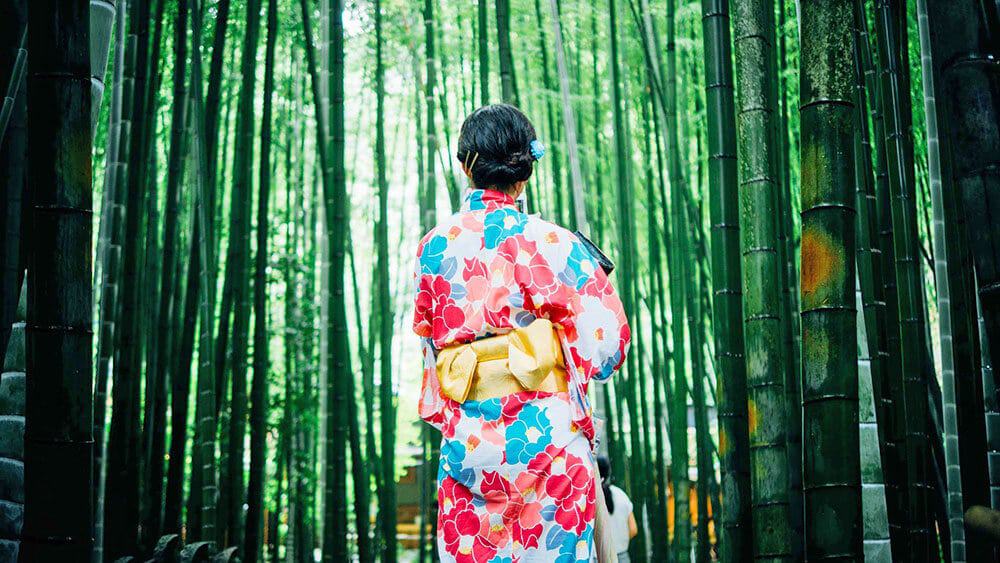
x: 499, y: 136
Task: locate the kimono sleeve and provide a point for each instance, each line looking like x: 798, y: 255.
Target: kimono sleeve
x: 576, y: 295
x: 431, y: 404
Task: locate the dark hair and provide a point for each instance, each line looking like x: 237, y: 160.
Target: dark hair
x: 495, y: 143
x: 605, y: 468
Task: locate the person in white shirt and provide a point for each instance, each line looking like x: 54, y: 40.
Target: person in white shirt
x: 623, y: 525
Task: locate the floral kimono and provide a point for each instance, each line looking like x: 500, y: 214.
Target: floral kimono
x: 516, y: 472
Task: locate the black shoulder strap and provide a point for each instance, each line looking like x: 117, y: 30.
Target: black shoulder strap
x: 606, y: 264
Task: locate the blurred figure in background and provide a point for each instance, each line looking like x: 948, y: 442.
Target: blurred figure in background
x: 623, y: 525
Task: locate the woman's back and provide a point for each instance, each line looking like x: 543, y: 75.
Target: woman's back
x: 515, y: 318
x: 491, y: 268
x: 504, y: 268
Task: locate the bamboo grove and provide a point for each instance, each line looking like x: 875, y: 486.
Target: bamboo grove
x: 210, y: 211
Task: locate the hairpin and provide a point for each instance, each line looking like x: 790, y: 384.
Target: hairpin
x: 537, y: 149
x: 466, y: 161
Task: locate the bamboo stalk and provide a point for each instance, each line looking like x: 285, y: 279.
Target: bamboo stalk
x: 762, y: 270
x: 58, y: 431
x: 831, y: 475
x: 735, y: 537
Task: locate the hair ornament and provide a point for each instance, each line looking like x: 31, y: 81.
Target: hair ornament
x: 537, y: 149
x: 474, y: 159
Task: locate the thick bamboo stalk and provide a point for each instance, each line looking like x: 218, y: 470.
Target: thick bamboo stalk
x: 762, y: 270
x: 58, y: 432
x: 831, y: 475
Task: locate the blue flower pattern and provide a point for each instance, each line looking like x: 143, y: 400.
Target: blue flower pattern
x: 433, y: 254
x: 488, y: 410
x: 575, y: 271
x: 475, y: 200
x: 567, y: 547
x: 452, y: 458
x: 522, y: 448
x: 500, y: 224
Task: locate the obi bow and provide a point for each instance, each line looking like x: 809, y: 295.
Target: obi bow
x: 524, y: 359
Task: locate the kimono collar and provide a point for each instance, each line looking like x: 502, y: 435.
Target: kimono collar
x: 476, y: 199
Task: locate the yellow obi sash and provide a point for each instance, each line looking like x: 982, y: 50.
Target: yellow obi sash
x: 524, y: 359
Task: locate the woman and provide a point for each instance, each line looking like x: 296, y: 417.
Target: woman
x: 622, y: 519
x: 516, y: 318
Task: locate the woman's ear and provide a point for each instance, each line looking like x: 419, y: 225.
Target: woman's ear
x: 519, y: 188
